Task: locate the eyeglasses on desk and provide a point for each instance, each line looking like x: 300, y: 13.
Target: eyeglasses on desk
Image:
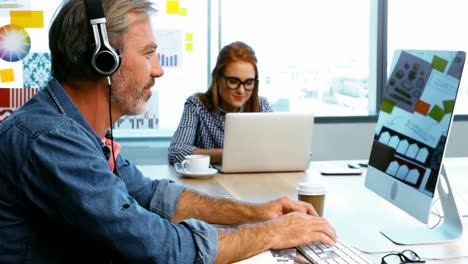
x: 406, y: 256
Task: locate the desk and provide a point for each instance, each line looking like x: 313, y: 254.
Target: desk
x: 355, y: 212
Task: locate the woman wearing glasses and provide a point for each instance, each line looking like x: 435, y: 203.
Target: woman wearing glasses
x: 233, y: 88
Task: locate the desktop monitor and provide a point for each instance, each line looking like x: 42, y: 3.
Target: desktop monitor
x: 406, y: 160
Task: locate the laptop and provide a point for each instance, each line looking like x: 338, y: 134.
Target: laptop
x: 266, y: 142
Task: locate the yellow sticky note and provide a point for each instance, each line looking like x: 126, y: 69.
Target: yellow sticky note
x: 172, y: 7
x: 188, y: 46
x: 188, y: 36
x: 7, y: 75
x: 27, y: 18
x: 183, y: 11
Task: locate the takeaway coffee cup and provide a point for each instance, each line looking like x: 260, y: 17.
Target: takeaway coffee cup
x: 196, y: 163
x: 312, y: 193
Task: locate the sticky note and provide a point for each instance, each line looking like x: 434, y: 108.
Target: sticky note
x: 183, y: 11
x: 188, y: 46
x: 7, y: 75
x: 4, y: 97
x: 439, y: 63
x: 437, y: 113
x: 188, y: 36
x: 449, y: 105
x: 172, y: 7
x: 422, y: 108
x: 387, y: 105
x: 27, y: 18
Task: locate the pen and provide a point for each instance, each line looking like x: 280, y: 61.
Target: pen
x: 353, y: 166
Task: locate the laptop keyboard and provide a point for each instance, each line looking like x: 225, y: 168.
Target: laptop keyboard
x: 341, y: 253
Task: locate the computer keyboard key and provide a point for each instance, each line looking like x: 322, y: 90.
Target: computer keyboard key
x: 341, y: 253
x: 328, y: 255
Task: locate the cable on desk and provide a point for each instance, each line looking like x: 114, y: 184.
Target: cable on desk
x: 447, y: 258
x: 440, y: 216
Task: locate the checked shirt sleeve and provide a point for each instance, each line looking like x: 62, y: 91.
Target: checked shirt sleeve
x: 183, y: 140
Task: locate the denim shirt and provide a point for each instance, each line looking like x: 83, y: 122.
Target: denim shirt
x: 60, y: 203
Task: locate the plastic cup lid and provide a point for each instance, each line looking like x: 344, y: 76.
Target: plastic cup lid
x: 310, y: 188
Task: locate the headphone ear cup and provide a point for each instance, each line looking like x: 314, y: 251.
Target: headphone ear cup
x: 106, y: 61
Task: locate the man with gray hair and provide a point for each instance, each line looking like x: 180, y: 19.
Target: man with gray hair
x: 66, y: 196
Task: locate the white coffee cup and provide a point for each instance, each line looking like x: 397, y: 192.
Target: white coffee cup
x: 196, y: 163
x: 313, y: 193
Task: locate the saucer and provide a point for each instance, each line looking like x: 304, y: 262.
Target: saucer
x: 208, y: 173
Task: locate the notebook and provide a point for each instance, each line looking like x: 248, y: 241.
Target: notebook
x: 266, y: 142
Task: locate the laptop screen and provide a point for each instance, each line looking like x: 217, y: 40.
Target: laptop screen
x: 266, y: 142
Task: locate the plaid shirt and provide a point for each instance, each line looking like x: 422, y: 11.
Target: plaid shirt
x: 199, y: 128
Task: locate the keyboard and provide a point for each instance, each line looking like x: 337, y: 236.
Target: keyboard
x: 341, y: 253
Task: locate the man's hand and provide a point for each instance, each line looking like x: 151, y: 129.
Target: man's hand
x: 296, y: 229
x: 286, y: 231
x: 281, y: 207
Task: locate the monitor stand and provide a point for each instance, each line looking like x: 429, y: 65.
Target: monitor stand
x: 449, y: 230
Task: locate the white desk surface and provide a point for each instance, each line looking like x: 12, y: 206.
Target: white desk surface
x: 357, y: 213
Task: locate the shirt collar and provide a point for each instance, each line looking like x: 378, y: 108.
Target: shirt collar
x: 67, y: 107
x: 222, y: 112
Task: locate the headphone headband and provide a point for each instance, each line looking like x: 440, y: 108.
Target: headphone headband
x: 94, y: 9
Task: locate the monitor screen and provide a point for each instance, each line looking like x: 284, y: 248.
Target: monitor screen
x: 413, y: 128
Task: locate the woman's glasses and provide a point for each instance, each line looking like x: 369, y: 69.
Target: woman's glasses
x: 406, y: 256
x: 234, y: 83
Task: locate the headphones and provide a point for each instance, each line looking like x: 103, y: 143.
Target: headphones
x: 105, y: 59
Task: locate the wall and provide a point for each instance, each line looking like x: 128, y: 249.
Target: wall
x: 354, y: 141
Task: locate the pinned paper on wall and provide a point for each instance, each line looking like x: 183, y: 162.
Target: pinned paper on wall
x: 172, y: 7
x: 27, y: 18
x: 15, y: 43
x: 36, y: 69
x: 7, y: 5
x: 7, y: 75
x: 188, y: 46
x: 13, y: 98
x: 148, y: 120
x: 183, y: 11
x: 4, y: 98
x: 189, y: 41
x: 170, y: 47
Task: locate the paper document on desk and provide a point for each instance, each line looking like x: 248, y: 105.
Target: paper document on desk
x: 263, y: 258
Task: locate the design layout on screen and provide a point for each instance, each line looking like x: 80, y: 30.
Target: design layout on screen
x: 415, y: 116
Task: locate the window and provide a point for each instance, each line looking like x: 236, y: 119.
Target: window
x: 318, y: 56
x: 313, y: 55
x: 182, y: 35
